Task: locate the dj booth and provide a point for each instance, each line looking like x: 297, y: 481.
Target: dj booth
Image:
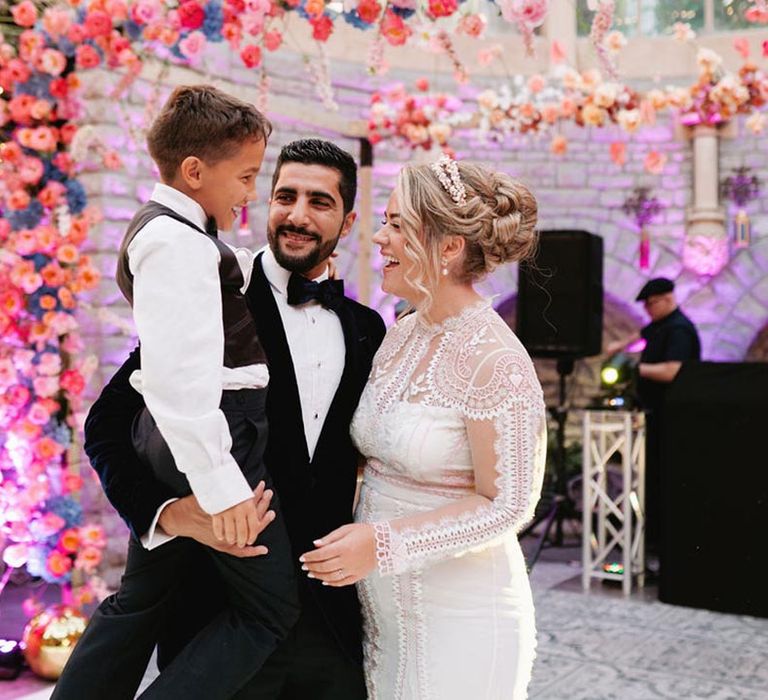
x: 714, y: 527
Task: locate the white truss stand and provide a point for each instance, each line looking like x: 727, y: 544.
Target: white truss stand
x: 614, y: 525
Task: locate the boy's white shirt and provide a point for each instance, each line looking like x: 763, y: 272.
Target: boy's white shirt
x: 177, y: 290
x: 316, y: 341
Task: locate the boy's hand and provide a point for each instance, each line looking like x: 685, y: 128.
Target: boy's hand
x: 185, y: 518
x: 237, y: 525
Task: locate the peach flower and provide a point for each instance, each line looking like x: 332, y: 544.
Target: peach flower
x: 654, y: 162
x: 559, y: 145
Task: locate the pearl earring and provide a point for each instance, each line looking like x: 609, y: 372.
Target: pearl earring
x: 444, y: 263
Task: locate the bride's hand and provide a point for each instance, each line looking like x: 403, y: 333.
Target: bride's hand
x: 343, y: 556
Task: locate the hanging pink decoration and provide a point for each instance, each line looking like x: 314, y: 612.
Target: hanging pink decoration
x: 643, y: 209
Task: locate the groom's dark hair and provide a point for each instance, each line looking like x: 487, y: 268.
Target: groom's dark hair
x: 321, y: 152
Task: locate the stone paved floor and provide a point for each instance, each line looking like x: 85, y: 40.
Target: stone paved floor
x: 595, y: 646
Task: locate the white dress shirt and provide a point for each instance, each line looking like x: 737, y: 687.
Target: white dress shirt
x: 177, y: 312
x: 317, y: 346
x: 316, y: 342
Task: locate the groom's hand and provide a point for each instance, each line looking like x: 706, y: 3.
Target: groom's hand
x: 185, y: 518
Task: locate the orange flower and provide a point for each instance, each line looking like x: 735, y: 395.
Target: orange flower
x: 47, y: 302
x: 53, y: 275
x: 654, y: 162
x: 11, y: 302
x: 67, y: 254
x: 57, y: 563
x: 72, y: 484
x: 50, y: 196
x: 88, y: 559
x: 47, y: 448
x: 69, y: 540
x: 78, y: 230
x: 45, y: 237
x: 314, y: 7
x: 66, y: 298
x: 619, y: 152
x: 88, y: 277
x: 18, y: 199
x: 93, y: 536
x: 29, y: 430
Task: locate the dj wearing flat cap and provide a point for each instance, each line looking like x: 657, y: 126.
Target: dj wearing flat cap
x: 671, y: 339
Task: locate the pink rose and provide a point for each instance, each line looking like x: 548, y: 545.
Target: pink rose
x: 193, y: 44
x: 56, y: 21
x: 24, y: 14
x: 273, y: 40
x: 52, y: 62
x: 87, y: 57
x: 97, y: 23
x: 472, y: 25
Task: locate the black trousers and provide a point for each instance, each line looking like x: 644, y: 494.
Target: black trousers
x: 653, y: 480
x: 261, y: 594
x: 308, y: 665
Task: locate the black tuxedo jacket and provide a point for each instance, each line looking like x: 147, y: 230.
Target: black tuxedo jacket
x: 315, y: 495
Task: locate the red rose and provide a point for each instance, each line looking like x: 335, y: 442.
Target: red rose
x: 72, y: 381
x: 86, y: 56
x: 191, y: 15
x: 98, y: 24
x: 322, y: 27
x: 368, y: 10
x: 251, y: 56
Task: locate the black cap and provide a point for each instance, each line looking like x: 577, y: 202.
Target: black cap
x: 658, y: 285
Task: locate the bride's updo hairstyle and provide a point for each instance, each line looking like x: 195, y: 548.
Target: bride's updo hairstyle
x: 495, y: 214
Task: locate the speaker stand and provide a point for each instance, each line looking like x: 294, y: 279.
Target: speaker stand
x: 562, y: 506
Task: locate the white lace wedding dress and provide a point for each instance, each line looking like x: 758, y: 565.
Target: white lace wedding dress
x: 448, y: 614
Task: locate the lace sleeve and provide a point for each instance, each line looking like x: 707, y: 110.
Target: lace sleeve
x: 501, y: 401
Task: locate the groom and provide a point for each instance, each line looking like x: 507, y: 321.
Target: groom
x: 319, y: 346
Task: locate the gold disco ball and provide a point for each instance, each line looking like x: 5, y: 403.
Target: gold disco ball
x: 50, y: 637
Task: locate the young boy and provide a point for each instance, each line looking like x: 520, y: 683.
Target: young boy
x: 203, y: 378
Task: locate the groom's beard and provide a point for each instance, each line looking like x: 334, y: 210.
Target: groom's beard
x: 300, y: 263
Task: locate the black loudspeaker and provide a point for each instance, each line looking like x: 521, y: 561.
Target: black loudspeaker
x: 715, y: 489
x: 560, y: 296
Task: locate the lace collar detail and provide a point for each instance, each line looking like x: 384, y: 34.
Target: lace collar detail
x: 453, y: 322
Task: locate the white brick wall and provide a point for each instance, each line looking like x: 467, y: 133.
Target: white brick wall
x: 582, y: 190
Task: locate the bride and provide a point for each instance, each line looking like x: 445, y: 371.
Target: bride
x: 452, y: 426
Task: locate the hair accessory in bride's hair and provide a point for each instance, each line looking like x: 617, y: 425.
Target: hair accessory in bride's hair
x: 447, y: 171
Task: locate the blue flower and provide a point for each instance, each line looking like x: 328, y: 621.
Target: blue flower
x: 353, y: 18
x: 26, y: 218
x: 51, y: 172
x: 405, y: 12
x: 76, y: 196
x: 37, y: 85
x: 133, y: 30
x: 66, y: 508
x: 214, y: 21
x: 36, y: 565
x: 62, y: 434
x: 40, y: 260
x: 66, y: 46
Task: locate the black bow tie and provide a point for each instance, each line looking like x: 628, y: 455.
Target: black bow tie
x: 328, y: 292
x: 211, y: 227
